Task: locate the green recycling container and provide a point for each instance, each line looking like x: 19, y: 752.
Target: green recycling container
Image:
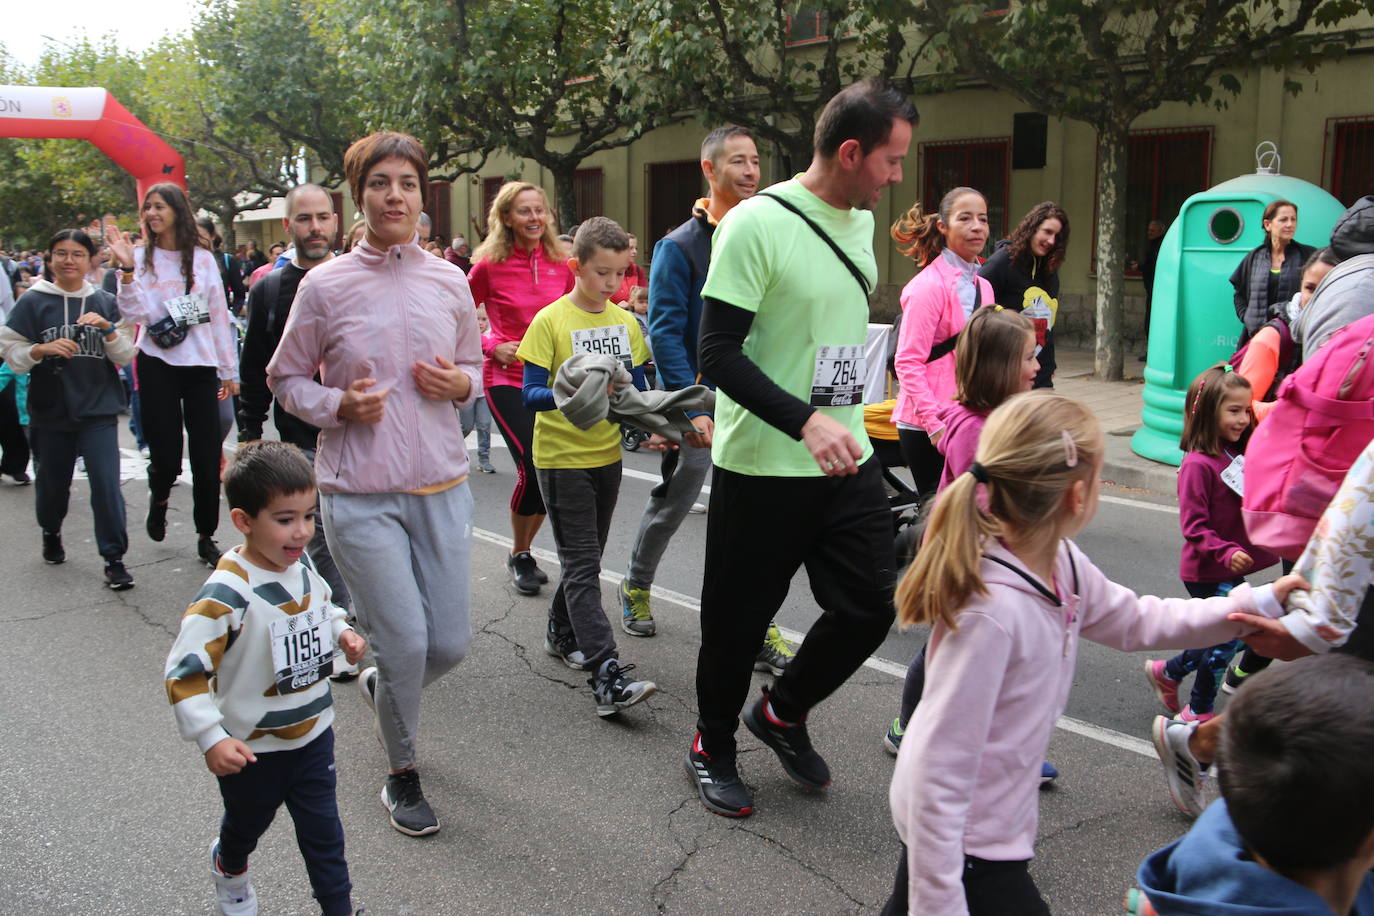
x: 1193, y: 321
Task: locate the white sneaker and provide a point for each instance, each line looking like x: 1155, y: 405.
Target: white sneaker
x: 233, y: 893
x: 344, y: 670
x: 697, y: 509
x: 1186, y: 776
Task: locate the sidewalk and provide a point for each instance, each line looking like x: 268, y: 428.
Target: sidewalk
x: 1117, y: 405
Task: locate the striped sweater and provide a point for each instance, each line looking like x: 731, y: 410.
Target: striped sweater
x: 222, y: 679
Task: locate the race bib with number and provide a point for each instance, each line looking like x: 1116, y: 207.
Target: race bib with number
x: 839, y: 378
x: 613, y: 340
x: 302, y: 649
x: 1234, y: 475
x: 190, y: 309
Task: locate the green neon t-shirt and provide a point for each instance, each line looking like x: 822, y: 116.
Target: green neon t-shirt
x: 806, y: 306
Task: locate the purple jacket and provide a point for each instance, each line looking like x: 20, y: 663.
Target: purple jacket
x: 1213, y: 530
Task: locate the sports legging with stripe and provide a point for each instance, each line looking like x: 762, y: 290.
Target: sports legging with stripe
x: 517, y: 428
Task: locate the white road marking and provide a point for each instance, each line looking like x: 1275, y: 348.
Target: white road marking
x: 1078, y: 727
x: 1137, y: 504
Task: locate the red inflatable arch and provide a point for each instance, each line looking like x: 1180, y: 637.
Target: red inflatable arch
x: 91, y: 114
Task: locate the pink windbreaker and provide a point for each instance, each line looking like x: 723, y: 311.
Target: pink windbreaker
x: 373, y: 314
x: 930, y: 313
x: 967, y: 778
x: 514, y: 291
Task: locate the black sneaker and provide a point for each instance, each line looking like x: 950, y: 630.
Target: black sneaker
x: 718, y: 783
x: 562, y: 644
x: 208, y: 551
x: 22, y: 479
x: 117, y: 578
x: 52, y: 548
x: 156, y: 523
x: 791, y: 743
x: 614, y: 690
x: 410, y: 813
x: 539, y: 574
x: 524, y: 574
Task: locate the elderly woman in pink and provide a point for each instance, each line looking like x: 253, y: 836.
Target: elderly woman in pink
x: 935, y: 304
x: 392, y: 333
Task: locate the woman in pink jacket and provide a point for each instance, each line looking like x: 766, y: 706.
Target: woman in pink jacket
x: 392, y: 333
x: 516, y: 271
x: 935, y: 305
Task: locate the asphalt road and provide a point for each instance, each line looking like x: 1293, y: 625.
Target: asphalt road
x: 545, y: 807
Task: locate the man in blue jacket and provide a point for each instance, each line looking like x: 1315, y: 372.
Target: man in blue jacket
x: 730, y: 162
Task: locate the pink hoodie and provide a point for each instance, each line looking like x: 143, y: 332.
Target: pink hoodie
x: 373, y: 314
x: 931, y: 312
x: 514, y: 290
x: 967, y: 778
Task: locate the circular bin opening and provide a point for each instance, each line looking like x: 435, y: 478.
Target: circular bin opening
x: 1226, y: 225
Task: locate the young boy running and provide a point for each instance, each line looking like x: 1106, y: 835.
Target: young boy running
x: 579, y: 470
x: 263, y: 632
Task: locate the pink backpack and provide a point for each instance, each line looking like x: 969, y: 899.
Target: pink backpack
x: 1297, y: 458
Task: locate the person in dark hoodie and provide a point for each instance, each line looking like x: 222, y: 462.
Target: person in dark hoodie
x: 69, y: 336
x: 1293, y: 832
x: 1024, y: 273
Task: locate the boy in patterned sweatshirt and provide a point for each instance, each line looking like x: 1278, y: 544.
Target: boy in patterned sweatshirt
x: 248, y: 679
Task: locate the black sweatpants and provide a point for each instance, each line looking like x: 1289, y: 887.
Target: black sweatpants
x: 759, y: 532
x: 303, y: 780
x: 14, y: 445
x: 57, y: 450
x: 990, y: 889
x: 923, y: 460
x: 173, y: 397
x: 581, y: 502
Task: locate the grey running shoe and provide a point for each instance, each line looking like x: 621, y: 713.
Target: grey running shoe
x: 775, y: 653
x: 614, y: 690
x: 562, y: 644
x: 636, y: 616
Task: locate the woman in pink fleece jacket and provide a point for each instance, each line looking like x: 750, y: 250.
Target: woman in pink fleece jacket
x: 516, y: 271
x: 935, y: 305
x: 1007, y: 596
x: 392, y: 333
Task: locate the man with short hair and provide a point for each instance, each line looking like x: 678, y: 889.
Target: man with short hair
x: 730, y: 162
x: 783, y: 328
x: 311, y: 223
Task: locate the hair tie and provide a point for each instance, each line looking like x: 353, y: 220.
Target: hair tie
x: 1070, y: 449
x: 980, y: 473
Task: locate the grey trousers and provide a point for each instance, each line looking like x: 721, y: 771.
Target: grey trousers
x: 405, y: 559
x: 318, y: 548
x: 683, y: 472
x: 581, y: 502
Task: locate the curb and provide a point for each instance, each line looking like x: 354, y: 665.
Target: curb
x: 1125, y: 468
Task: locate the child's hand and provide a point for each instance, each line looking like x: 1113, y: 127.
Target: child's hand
x: 353, y: 645
x: 1241, y: 562
x: 229, y: 757
x: 1271, y: 638
x: 656, y: 443
x: 1286, y: 584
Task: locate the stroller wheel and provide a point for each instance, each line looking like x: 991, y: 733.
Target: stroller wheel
x: 632, y: 438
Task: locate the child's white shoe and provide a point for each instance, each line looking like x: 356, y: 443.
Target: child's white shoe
x: 234, y: 894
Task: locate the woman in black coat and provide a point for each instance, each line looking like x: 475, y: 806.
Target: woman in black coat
x: 1271, y: 273
x: 1024, y: 273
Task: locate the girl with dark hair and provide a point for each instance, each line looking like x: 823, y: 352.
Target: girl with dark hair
x: 68, y: 335
x: 186, y: 359
x: 935, y: 305
x: 1272, y: 272
x: 516, y: 271
x: 1024, y: 273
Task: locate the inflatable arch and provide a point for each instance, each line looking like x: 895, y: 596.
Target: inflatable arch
x: 91, y: 114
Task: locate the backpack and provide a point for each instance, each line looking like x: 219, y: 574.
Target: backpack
x: 1298, y: 456
x: 1290, y: 356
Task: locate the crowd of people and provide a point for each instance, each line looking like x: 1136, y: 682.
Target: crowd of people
x: 375, y: 363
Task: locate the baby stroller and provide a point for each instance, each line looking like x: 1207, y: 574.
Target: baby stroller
x: 908, y: 519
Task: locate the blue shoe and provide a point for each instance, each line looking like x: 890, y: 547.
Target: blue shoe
x: 892, y: 741
x: 1048, y: 774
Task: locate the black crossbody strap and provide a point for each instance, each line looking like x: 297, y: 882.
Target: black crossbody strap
x: 857, y: 274
x: 949, y: 343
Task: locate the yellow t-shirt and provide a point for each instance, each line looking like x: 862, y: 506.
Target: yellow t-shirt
x: 559, y: 330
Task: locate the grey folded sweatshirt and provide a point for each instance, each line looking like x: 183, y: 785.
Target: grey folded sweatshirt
x: 581, y: 392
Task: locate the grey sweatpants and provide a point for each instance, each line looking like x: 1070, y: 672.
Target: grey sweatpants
x: 581, y: 502
x: 405, y: 559
x: 683, y: 472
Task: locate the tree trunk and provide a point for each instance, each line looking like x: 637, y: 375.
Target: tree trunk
x: 1111, y: 212
x: 565, y: 192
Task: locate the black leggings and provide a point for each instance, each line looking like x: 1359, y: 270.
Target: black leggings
x: 923, y: 460
x: 517, y: 428
x: 173, y: 397
x: 990, y: 889
x: 14, y: 444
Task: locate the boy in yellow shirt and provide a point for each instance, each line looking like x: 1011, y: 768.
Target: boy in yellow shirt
x: 579, y: 470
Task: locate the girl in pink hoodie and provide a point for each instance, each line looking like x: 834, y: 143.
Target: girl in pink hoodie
x: 1007, y: 596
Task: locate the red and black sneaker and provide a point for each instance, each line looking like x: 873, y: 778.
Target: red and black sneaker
x: 718, y: 782
x: 790, y: 741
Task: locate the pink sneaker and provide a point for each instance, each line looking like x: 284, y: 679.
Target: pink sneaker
x: 1187, y: 715
x: 1165, y: 687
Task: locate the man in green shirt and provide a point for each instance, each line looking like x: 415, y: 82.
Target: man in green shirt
x: 783, y: 327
